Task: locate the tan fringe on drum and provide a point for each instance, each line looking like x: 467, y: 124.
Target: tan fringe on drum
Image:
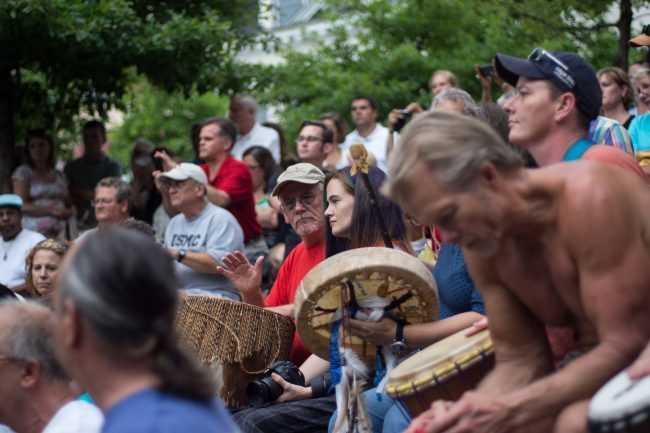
x: 236, y: 340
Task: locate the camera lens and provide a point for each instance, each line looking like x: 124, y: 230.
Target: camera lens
x: 261, y: 392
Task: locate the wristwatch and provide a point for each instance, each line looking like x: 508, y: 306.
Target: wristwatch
x: 399, y: 344
x: 181, y: 255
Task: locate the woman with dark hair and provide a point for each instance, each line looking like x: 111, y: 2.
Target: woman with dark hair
x: 262, y: 166
x: 339, y: 127
x: 350, y: 218
x: 119, y: 342
x: 43, y: 264
x: 46, y: 201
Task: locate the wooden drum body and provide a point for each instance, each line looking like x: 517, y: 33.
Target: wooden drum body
x: 382, y: 272
x: 442, y: 371
x: 236, y: 340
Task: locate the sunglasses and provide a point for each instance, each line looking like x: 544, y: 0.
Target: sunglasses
x: 540, y: 55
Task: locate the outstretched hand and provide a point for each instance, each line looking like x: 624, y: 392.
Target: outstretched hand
x: 244, y: 276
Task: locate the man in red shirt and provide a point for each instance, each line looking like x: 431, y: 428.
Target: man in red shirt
x: 300, y: 192
x: 230, y: 181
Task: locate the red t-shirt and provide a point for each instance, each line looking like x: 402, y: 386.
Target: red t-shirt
x: 295, y: 267
x: 235, y: 179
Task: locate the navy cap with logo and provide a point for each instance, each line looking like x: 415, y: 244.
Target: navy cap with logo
x: 569, y: 73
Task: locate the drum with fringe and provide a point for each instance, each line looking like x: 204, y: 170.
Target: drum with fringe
x: 236, y: 340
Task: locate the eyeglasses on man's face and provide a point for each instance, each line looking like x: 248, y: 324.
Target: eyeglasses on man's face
x: 308, y: 139
x: 102, y: 201
x: 305, y: 200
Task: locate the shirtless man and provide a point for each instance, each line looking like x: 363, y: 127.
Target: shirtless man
x: 564, y: 245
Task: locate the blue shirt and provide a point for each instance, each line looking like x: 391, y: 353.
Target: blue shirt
x: 152, y: 411
x: 456, y: 290
x: 640, y: 132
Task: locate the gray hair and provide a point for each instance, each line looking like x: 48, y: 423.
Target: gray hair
x: 31, y: 337
x: 246, y: 100
x: 453, y: 145
x: 122, y: 189
x: 641, y: 71
x: 456, y: 95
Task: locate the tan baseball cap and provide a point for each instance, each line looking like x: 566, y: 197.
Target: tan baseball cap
x: 302, y: 173
x: 643, y: 40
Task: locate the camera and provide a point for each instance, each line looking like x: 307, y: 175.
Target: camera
x: 486, y: 70
x: 406, y: 116
x: 265, y: 390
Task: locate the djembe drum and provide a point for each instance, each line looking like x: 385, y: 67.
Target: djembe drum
x: 236, y: 340
x: 397, y: 277
x: 622, y: 405
x: 444, y: 370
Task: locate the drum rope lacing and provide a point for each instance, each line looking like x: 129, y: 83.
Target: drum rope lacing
x: 237, y: 341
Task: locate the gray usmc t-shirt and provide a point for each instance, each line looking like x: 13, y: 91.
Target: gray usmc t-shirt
x: 214, y: 231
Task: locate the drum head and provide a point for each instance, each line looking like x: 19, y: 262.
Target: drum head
x: 621, y: 398
x: 438, y: 360
x: 382, y: 272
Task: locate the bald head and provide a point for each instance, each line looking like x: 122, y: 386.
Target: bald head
x: 243, y: 109
x: 27, y: 334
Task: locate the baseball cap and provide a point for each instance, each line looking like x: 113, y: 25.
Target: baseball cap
x: 301, y: 173
x: 11, y: 200
x: 642, y: 40
x: 569, y: 72
x: 186, y: 170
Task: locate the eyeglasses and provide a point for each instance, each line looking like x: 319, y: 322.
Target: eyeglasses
x: 289, y: 205
x: 541, y: 55
x: 175, y: 183
x: 103, y: 201
x: 309, y: 139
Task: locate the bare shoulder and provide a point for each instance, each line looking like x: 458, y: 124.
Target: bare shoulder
x: 601, y: 202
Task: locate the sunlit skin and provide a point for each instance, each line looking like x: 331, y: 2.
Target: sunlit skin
x: 107, y: 209
x: 531, y: 110
x: 363, y: 115
x: 211, y: 143
x: 307, y: 221
x: 438, y: 83
x: 339, y: 209
x: 44, y: 269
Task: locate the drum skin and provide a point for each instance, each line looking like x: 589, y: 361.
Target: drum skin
x: 383, y: 272
x: 621, y: 405
x: 235, y: 340
x: 442, y: 371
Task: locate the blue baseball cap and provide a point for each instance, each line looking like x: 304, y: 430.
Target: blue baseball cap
x: 568, y: 72
x: 11, y: 200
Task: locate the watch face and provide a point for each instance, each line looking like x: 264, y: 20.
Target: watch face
x: 398, y: 346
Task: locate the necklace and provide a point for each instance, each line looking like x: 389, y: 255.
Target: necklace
x: 6, y: 250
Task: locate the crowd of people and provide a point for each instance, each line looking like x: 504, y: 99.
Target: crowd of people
x: 535, y: 208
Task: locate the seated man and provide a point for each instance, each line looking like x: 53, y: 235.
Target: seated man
x: 111, y: 203
x: 200, y: 234
x: 16, y: 242
x: 528, y: 239
x: 36, y: 392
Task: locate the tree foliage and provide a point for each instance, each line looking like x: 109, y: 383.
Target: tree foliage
x: 388, y: 49
x: 163, y: 118
x: 62, y: 56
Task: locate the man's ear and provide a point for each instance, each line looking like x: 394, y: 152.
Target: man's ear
x: 327, y: 148
x: 124, y: 206
x: 566, y: 104
x: 71, y: 327
x: 30, y: 373
x: 489, y: 176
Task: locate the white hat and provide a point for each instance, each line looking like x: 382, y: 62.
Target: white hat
x: 186, y: 170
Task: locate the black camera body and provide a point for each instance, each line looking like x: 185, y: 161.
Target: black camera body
x: 406, y: 116
x: 263, y: 391
x: 486, y: 70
